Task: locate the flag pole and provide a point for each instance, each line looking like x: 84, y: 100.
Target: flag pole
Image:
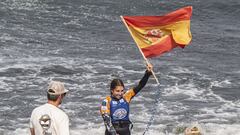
x: 146, y: 60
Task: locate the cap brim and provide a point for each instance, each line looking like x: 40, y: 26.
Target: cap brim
x: 65, y: 90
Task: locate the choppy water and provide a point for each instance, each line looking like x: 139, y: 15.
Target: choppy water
x: 85, y: 44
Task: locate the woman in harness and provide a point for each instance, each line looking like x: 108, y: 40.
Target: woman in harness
x: 115, y: 108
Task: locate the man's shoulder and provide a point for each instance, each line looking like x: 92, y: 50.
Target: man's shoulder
x: 57, y: 111
x: 61, y: 114
x: 37, y: 109
x: 37, y: 112
x: 48, y: 108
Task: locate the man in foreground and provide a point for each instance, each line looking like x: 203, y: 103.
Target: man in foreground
x: 48, y: 119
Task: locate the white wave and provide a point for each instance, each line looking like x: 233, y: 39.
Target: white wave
x: 74, y: 21
x: 6, y: 37
x: 222, y: 129
x: 24, y: 4
x: 223, y: 83
x: 187, y: 89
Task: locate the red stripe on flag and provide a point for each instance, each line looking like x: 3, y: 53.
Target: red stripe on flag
x: 153, y: 21
x: 157, y: 49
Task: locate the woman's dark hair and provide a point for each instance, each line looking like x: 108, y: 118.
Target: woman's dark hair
x: 115, y: 83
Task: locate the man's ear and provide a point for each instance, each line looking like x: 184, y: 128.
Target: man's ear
x: 59, y: 97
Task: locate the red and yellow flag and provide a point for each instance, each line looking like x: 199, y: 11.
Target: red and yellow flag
x: 155, y: 35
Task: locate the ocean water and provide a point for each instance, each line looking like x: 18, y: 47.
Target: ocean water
x: 84, y: 44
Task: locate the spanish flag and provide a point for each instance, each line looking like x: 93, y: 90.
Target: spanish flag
x: 155, y: 35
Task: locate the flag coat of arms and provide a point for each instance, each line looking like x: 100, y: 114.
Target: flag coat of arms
x: 155, y: 35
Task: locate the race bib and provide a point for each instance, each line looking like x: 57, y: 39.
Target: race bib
x: 120, y: 113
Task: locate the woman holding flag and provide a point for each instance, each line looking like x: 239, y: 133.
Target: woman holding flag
x: 115, y: 108
x: 153, y: 35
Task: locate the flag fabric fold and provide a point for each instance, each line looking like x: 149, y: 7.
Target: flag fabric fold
x: 155, y: 35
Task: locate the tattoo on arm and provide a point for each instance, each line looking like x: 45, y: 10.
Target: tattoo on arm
x: 108, y: 124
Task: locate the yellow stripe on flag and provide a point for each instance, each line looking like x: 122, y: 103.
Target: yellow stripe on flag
x: 147, y: 36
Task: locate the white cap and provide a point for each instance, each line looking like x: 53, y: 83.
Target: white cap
x: 56, y: 88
